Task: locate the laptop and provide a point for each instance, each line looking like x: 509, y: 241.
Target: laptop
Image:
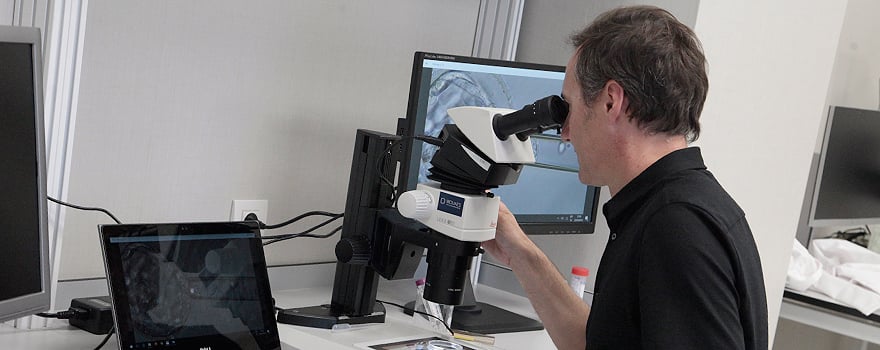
x: 189, y: 286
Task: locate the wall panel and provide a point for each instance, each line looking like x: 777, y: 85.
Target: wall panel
x: 185, y: 106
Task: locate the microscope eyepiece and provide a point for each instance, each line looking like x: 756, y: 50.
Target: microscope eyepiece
x: 544, y: 114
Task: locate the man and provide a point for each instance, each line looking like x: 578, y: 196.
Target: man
x: 680, y: 269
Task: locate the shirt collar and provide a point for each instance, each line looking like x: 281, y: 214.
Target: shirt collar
x: 629, y: 197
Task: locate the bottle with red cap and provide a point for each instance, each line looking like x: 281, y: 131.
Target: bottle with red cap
x: 578, y: 280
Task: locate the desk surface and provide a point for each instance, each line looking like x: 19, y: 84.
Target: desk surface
x: 825, y: 302
x: 59, y: 335
x: 822, y: 312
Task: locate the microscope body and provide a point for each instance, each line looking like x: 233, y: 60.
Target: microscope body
x: 471, y: 162
x: 450, y: 216
x: 465, y: 217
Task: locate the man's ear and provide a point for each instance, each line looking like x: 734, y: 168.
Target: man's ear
x: 615, y: 99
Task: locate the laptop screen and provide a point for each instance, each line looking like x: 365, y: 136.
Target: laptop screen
x: 189, y: 286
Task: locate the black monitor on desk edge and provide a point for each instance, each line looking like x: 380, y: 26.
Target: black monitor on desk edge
x: 843, y: 188
x: 24, y: 241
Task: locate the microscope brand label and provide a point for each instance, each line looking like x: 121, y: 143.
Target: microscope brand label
x: 450, y: 204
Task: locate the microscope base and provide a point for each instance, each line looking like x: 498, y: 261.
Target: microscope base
x: 486, y: 319
x: 323, y: 317
x: 490, y: 319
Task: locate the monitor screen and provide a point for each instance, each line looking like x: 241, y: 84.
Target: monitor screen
x: 24, y: 262
x: 847, y: 190
x: 548, y: 198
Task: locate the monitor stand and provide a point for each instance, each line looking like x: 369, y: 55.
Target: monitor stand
x: 479, y: 317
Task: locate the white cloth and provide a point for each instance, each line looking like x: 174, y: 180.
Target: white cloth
x: 803, y: 270
x: 833, y: 252
x: 839, y: 269
x: 866, y: 275
x: 849, y: 261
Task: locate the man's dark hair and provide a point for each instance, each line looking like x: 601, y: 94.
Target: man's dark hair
x: 657, y: 60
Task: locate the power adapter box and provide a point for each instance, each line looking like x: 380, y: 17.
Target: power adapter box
x: 98, y: 318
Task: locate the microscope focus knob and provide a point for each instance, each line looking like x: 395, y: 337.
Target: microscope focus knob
x: 416, y: 204
x: 353, y: 250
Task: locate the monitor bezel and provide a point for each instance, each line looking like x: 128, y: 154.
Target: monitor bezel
x: 532, y: 228
x: 40, y: 301
x: 819, y: 172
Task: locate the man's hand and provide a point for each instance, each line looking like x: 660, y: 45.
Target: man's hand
x: 510, y: 241
x: 563, y: 313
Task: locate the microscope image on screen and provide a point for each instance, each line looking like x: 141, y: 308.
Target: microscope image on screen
x: 155, y: 287
x: 555, y: 160
x: 450, y: 88
x: 179, y: 288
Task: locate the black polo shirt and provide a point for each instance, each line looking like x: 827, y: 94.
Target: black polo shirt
x: 681, y: 269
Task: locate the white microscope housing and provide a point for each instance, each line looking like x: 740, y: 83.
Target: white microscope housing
x: 477, y: 154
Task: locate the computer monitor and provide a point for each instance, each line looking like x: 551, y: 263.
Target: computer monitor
x: 548, y: 198
x: 847, y: 186
x: 24, y: 244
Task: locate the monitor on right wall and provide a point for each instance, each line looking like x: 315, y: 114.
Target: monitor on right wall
x: 847, y: 186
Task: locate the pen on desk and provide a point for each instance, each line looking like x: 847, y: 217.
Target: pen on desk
x: 474, y: 337
x: 344, y: 327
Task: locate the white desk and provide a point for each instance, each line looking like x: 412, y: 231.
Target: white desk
x: 822, y: 312
x: 397, y: 324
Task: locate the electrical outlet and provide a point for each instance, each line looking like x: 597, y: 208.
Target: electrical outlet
x: 243, y: 207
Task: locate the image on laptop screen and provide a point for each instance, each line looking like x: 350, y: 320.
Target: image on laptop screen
x: 185, y: 285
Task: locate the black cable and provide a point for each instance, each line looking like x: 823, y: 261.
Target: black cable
x: 112, y: 330
x: 105, y: 211
x: 424, y: 138
x: 326, y: 235
x: 381, y: 162
x: 306, y: 233
x: 430, y: 139
x: 851, y: 233
x: 419, y: 312
x: 73, y: 312
x: 858, y: 235
x: 325, y: 223
x: 292, y: 236
x: 298, y: 218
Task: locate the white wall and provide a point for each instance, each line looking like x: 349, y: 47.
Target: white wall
x: 27, y: 13
x: 856, y: 78
x: 769, y: 69
x: 7, y: 8
x: 186, y: 105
